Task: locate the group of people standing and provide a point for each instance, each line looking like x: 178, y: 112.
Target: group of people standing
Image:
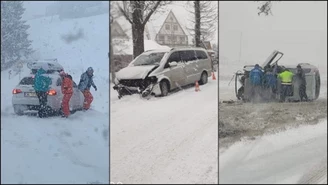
x: 42, y: 86
x: 267, y: 80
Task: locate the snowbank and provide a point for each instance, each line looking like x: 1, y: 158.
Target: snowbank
x: 280, y: 158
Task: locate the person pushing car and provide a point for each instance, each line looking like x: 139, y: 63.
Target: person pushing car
x: 41, y: 86
x: 85, y: 84
x: 67, y: 90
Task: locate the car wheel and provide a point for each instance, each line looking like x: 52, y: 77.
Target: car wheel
x: 164, y: 86
x: 203, y: 78
x: 18, y: 111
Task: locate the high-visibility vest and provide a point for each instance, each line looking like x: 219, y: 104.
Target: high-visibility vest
x: 286, y: 77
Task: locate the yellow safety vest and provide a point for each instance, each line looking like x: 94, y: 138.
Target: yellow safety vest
x: 286, y: 77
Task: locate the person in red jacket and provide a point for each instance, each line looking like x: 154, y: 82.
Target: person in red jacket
x: 67, y: 90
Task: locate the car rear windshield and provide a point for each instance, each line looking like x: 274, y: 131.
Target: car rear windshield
x: 151, y: 59
x: 27, y: 81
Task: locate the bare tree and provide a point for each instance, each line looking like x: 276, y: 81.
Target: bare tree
x: 138, y: 13
x: 265, y: 8
x: 205, y: 13
x: 197, y: 23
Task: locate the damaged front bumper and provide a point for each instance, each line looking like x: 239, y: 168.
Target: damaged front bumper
x: 146, y: 87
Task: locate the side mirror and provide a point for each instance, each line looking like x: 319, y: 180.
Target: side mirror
x: 173, y: 64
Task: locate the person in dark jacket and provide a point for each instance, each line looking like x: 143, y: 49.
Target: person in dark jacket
x: 67, y: 90
x: 270, y: 82
x: 41, y: 86
x: 302, y: 83
x: 85, y: 84
x: 255, y: 76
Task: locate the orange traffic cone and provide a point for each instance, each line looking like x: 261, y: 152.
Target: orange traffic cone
x: 197, y: 86
x: 213, y: 76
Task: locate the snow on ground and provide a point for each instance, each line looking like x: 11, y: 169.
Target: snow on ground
x: 171, y: 139
x: 76, y: 150
x: 281, y: 158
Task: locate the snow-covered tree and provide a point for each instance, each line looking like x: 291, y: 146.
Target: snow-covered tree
x: 138, y: 13
x: 14, y: 37
x: 204, y: 18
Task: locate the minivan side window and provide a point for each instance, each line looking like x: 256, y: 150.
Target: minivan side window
x: 174, y: 57
x: 188, y: 55
x: 201, y: 54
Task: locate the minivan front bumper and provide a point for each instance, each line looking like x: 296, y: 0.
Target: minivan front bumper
x: 145, y: 87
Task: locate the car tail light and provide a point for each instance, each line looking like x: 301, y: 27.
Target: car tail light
x: 52, y: 92
x: 16, y: 91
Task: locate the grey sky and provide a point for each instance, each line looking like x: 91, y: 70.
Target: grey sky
x: 299, y: 29
x: 35, y: 8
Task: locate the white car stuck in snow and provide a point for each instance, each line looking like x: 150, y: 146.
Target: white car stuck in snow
x: 157, y: 72
x: 25, y: 100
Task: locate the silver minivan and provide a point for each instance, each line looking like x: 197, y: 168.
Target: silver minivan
x: 157, y: 72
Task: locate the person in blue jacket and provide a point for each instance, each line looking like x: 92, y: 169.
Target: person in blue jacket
x: 270, y: 82
x: 41, y: 86
x: 255, y: 76
x: 84, y: 86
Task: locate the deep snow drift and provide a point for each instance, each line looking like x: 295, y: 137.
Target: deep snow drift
x: 170, y: 139
x: 297, y: 155
x: 56, y: 150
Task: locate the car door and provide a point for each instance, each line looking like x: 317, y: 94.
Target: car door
x: 176, y: 73
x: 192, y: 68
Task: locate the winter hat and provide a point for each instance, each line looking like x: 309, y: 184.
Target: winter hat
x: 90, y: 69
x: 45, y: 66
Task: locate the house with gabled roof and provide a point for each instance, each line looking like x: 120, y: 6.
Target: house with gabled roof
x: 166, y: 29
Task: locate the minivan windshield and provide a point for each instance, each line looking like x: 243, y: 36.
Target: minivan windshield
x: 149, y: 59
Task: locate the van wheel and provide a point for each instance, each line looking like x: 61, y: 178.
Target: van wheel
x: 203, y: 78
x: 164, y: 86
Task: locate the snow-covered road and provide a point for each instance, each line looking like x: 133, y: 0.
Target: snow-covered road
x: 171, y: 139
x: 281, y: 158
x: 54, y: 150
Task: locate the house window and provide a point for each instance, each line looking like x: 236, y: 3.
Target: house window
x: 182, y: 39
x: 167, y: 27
x: 169, y: 37
x: 175, y: 27
x: 174, y: 38
x: 161, y: 37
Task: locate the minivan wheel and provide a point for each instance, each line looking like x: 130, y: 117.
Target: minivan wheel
x: 164, y: 86
x: 203, y: 78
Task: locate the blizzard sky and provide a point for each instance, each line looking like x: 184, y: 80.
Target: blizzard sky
x: 35, y: 8
x: 38, y: 8
x: 298, y: 29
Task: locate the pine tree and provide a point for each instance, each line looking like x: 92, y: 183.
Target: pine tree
x: 15, y: 44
